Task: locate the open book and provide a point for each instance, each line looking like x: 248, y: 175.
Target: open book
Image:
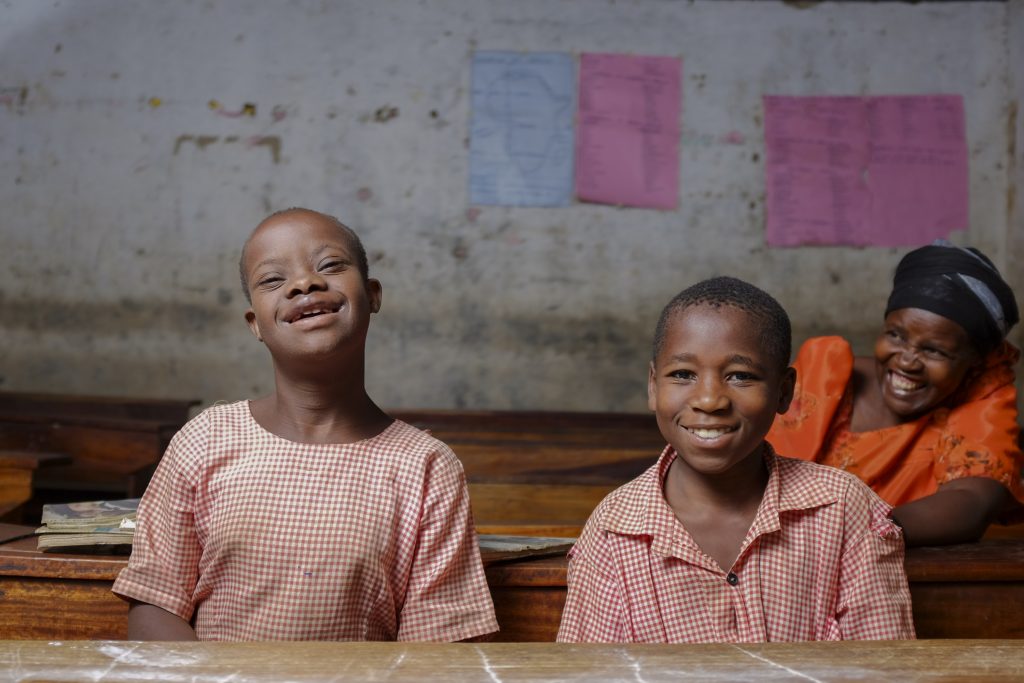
x: 104, y: 526
x: 498, y: 548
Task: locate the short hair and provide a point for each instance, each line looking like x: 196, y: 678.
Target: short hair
x: 354, y: 243
x: 771, y: 318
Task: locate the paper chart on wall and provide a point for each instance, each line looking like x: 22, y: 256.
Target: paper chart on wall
x: 521, y: 133
x: 883, y: 171
x: 627, y: 146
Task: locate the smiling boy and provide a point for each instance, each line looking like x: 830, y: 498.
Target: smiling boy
x: 308, y: 514
x: 722, y: 540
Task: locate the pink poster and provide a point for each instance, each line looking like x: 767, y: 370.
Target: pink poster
x: 627, y: 139
x: 884, y: 171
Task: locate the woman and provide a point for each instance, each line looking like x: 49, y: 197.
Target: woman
x: 930, y: 422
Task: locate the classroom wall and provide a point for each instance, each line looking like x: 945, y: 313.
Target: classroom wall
x: 126, y: 196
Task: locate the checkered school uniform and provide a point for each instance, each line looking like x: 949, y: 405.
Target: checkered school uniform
x: 261, y: 538
x: 821, y: 561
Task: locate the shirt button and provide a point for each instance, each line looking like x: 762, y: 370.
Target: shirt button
x: 732, y: 579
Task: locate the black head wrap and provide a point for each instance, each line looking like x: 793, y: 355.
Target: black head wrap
x: 959, y: 284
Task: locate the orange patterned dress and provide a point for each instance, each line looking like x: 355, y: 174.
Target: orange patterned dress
x: 975, y: 438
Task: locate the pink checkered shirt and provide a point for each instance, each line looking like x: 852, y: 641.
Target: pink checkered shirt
x: 821, y: 561
x: 261, y: 538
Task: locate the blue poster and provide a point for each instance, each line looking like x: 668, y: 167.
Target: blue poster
x: 521, y: 138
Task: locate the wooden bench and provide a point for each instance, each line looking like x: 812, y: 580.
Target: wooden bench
x: 542, y: 473
x: 968, y: 591
x: 112, y: 444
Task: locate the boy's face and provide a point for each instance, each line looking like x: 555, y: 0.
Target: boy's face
x: 308, y: 296
x: 715, y: 392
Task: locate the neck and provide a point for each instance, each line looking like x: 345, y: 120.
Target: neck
x: 738, y: 490
x: 321, y: 407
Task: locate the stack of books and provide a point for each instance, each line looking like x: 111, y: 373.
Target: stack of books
x: 101, y: 526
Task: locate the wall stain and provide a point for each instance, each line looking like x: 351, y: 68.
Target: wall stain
x: 200, y: 141
x: 271, y: 142
x: 1011, y: 150
x: 110, y: 318
x: 385, y: 113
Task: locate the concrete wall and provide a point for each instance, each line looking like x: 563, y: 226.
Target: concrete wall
x: 125, y: 196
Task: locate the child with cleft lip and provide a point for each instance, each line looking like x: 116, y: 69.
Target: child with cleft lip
x: 308, y: 514
x: 722, y: 540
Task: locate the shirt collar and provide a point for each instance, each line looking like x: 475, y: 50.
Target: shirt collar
x: 643, y: 510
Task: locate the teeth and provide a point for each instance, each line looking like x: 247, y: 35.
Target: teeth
x: 709, y: 433
x: 901, y: 383
x: 309, y: 314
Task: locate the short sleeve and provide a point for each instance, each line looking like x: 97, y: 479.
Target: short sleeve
x: 164, y: 565
x: 594, y: 610
x: 447, y: 597
x: 874, y: 596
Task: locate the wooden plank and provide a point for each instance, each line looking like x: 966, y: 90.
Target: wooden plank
x: 534, y: 504
x: 75, y: 407
x: 50, y: 609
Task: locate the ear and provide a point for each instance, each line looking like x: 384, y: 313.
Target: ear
x: 254, y: 327
x: 375, y: 293
x: 786, y: 388
x: 652, y: 388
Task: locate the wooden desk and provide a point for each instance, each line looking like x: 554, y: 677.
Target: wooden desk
x: 113, y: 443
x: 112, y: 662
x: 969, y: 591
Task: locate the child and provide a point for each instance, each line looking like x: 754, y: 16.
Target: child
x: 309, y: 513
x: 723, y: 540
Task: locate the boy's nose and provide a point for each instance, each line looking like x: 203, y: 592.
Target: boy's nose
x: 306, y: 283
x: 709, y: 397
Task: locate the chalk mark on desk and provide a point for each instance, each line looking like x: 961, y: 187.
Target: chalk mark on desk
x: 397, y: 662
x: 119, y: 654
x: 638, y: 669
x: 776, y: 664
x: 487, y: 665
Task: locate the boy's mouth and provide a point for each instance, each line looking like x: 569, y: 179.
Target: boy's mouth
x: 311, y: 310
x: 709, y: 433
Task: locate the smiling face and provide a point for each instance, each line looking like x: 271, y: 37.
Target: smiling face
x: 921, y: 358
x: 309, y: 298
x: 714, y: 390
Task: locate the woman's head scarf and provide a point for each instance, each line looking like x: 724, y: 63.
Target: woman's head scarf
x: 960, y: 284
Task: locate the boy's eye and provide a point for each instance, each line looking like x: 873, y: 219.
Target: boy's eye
x: 269, y: 281
x: 682, y: 374
x: 333, y: 266
x: 743, y: 377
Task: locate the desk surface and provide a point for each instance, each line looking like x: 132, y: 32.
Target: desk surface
x: 111, y: 661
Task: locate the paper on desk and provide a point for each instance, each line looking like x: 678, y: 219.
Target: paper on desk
x: 885, y: 171
x: 520, y: 150
x: 627, y: 145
